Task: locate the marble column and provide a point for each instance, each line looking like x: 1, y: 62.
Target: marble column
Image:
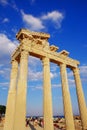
x: 47, y: 106
x: 20, y: 111
x: 66, y: 99
x: 81, y: 100
x: 10, y: 107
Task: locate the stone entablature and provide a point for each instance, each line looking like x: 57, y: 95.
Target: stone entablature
x: 24, y: 33
x: 40, y: 48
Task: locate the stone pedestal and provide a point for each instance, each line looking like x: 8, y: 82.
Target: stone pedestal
x: 10, y: 108
x: 20, y: 112
x: 48, y: 115
x: 81, y: 100
x: 66, y: 99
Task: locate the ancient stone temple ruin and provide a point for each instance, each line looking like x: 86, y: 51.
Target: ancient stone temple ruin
x: 36, y: 44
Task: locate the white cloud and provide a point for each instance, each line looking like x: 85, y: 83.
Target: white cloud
x: 83, y: 73
x: 83, y: 70
x: 70, y: 74
x: 53, y: 75
x: 41, y: 22
x: 71, y: 82
x: 33, y: 61
x: 4, y: 84
x: 54, y: 16
x: 39, y: 87
x: 56, y: 85
x: 38, y: 75
x: 34, y: 76
x: 14, y: 29
x: 34, y: 23
x: 5, y: 20
x: 3, y: 2
x: 6, y: 48
x: 53, y: 67
x: 36, y: 87
x: 6, y: 45
x: 5, y: 72
x: 1, y: 72
x: 11, y: 4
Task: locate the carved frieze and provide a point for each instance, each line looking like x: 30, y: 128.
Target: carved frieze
x: 37, y: 45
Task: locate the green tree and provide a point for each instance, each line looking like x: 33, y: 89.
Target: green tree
x: 2, y: 109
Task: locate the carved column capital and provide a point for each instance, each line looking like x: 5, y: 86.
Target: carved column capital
x: 63, y: 69
x: 63, y: 66
x: 75, y: 71
x: 45, y: 61
x: 14, y: 63
x: 24, y: 54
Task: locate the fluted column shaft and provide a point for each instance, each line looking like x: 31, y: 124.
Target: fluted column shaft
x: 48, y: 114
x: 20, y: 112
x: 10, y: 107
x: 81, y: 100
x: 66, y: 99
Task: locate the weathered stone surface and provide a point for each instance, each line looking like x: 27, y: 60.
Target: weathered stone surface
x: 36, y: 44
x: 66, y: 99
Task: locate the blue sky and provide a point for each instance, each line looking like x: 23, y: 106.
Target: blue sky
x: 66, y: 22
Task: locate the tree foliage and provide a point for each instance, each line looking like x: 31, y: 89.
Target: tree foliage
x: 2, y: 109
